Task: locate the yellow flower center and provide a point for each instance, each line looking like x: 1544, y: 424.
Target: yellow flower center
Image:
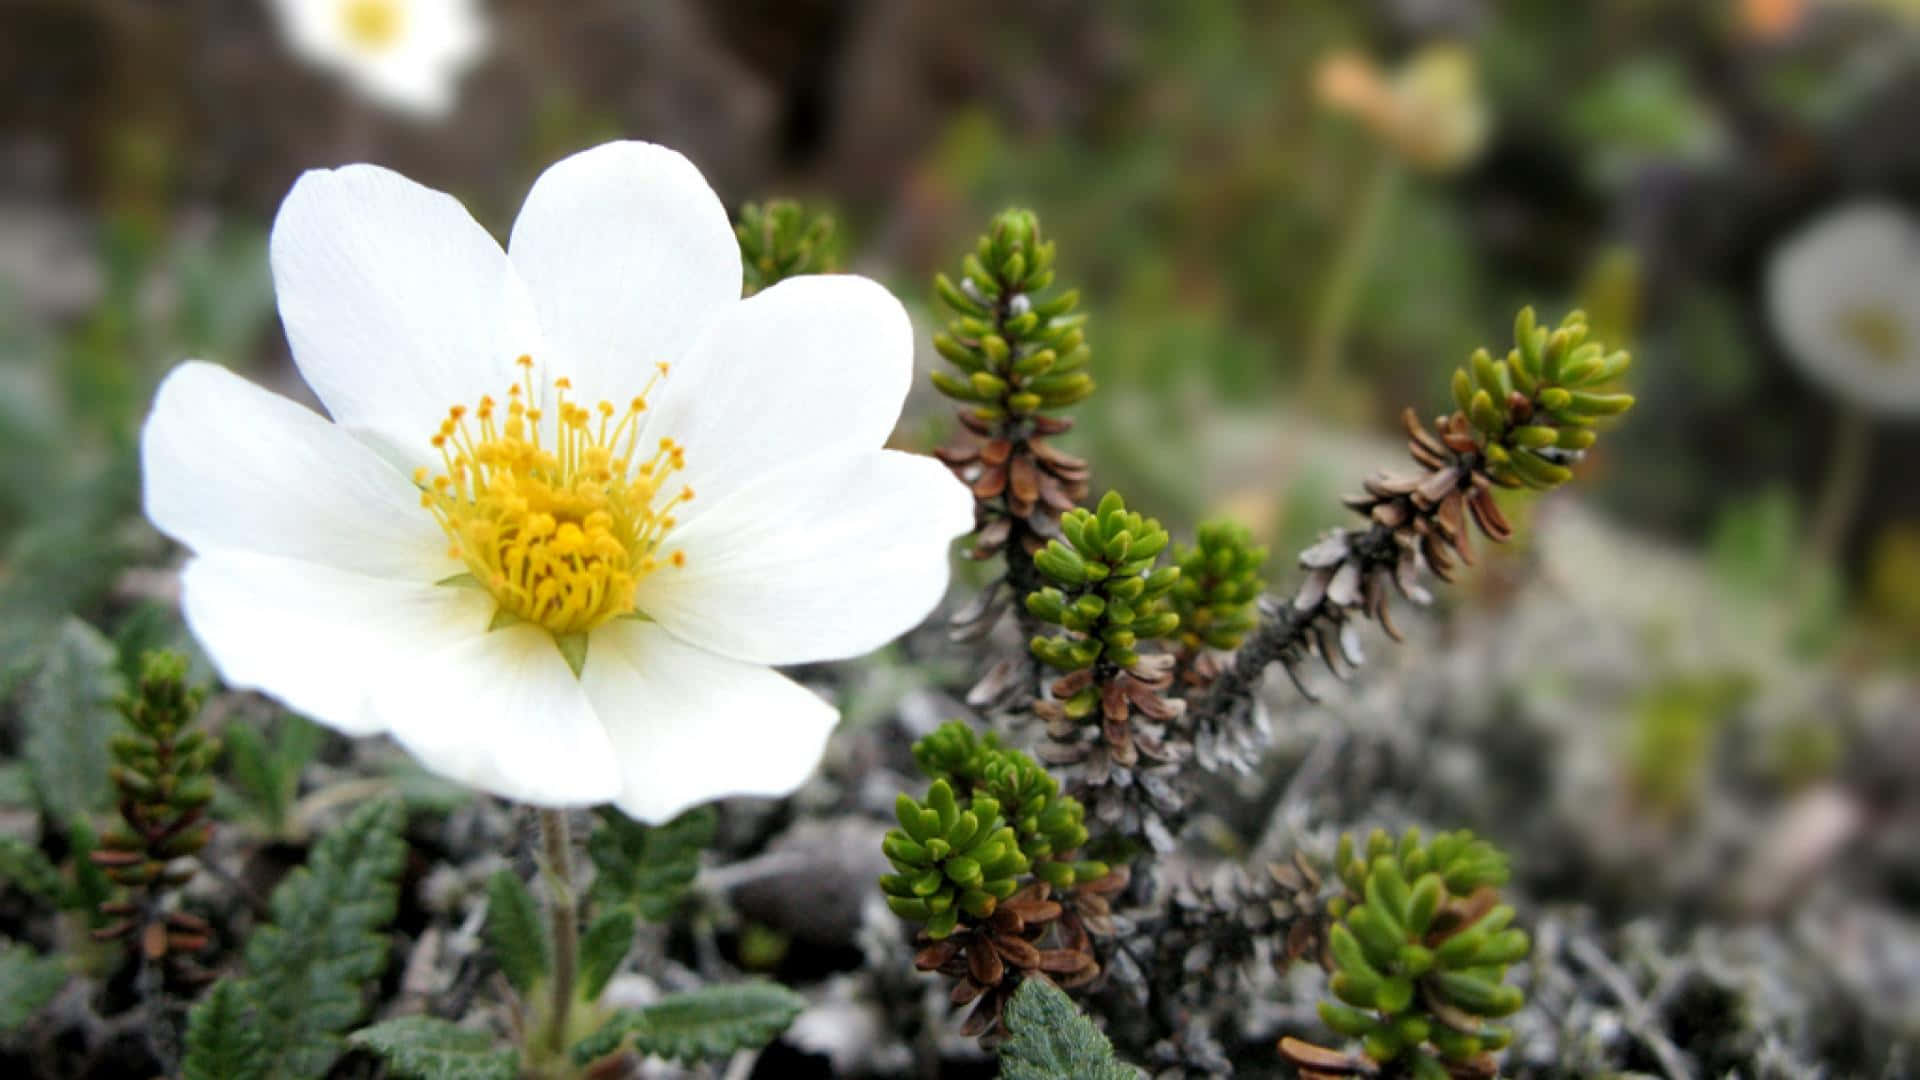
x: 559, y: 518
x: 1877, y: 331
x: 373, y: 25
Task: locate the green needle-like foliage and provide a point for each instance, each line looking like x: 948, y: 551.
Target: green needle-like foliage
x: 780, y: 239
x: 1105, y: 592
x: 1018, y: 353
x: 1050, y: 826
x: 1219, y: 583
x: 161, y: 772
x: 950, y: 860
x: 1420, y: 951
x: 1535, y: 411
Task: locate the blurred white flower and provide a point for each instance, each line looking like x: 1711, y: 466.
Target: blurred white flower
x: 404, y: 54
x: 494, y: 551
x: 1844, y: 296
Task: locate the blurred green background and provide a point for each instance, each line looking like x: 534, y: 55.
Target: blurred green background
x: 1227, y: 212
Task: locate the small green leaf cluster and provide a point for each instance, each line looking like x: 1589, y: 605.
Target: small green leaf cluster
x: 949, y: 860
x: 1105, y: 591
x: 1219, y: 583
x: 1017, y: 353
x: 161, y: 771
x: 28, y: 981
x: 1421, y: 950
x: 1048, y: 1038
x: 780, y: 239
x: 307, y: 970
x: 1049, y: 826
x: 1534, y: 412
x: 648, y: 867
x: 265, y: 765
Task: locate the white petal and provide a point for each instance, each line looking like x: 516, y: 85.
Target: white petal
x: 812, y: 366
x: 1859, y: 261
x: 397, y: 303
x: 689, y: 726
x: 502, y: 711
x: 316, y: 638
x: 628, y: 253
x: 815, y: 561
x: 229, y: 466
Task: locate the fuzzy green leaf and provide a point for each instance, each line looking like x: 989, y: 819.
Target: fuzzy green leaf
x: 602, y: 949
x: 647, y: 866
x: 27, y: 982
x: 69, y: 716
x: 701, y: 1024
x: 306, y: 972
x: 222, y: 1041
x: 423, y: 1048
x: 515, y: 932
x: 1049, y: 1039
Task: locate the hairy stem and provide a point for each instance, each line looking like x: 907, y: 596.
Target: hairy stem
x: 557, y: 845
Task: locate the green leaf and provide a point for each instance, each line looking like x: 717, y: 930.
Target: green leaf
x: 23, y: 867
x: 1049, y: 1039
x: 307, y: 970
x: 701, y: 1024
x: 649, y: 867
x: 515, y: 931
x: 27, y: 982
x: 602, y: 949
x: 69, y: 716
x: 267, y: 770
x: 423, y: 1048
x: 222, y: 1041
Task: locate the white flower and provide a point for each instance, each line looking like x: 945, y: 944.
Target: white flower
x: 1844, y: 295
x: 432, y: 563
x: 406, y: 54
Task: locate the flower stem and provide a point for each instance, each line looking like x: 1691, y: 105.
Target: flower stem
x: 557, y: 844
x: 1334, y: 314
x: 1843, y: 485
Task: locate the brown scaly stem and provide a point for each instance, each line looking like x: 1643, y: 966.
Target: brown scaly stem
x: 1019, y: 357
x: 557, y: 845
x: 1413, y: 522
x: 1520, y: 422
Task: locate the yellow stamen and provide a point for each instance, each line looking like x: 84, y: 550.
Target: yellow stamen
x: 373, y: 25
x: 559, y: 531
x: 1877, y: 331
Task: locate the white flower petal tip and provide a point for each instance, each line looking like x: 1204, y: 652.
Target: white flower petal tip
x: 396, y: 302
x: 628, y: 254
x: 1844, y: 298
x: 689, y: 727
x: 817, y: 560
x: 405, y: 55
x: 813, y: 366
x: 510, y: 468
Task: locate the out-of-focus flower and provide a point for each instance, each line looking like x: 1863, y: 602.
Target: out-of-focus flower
x: 494, y: 552
x: 1429, y: 110
x: 1773, y: 20
x: 404, y: 54
x: 1844, y: 295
